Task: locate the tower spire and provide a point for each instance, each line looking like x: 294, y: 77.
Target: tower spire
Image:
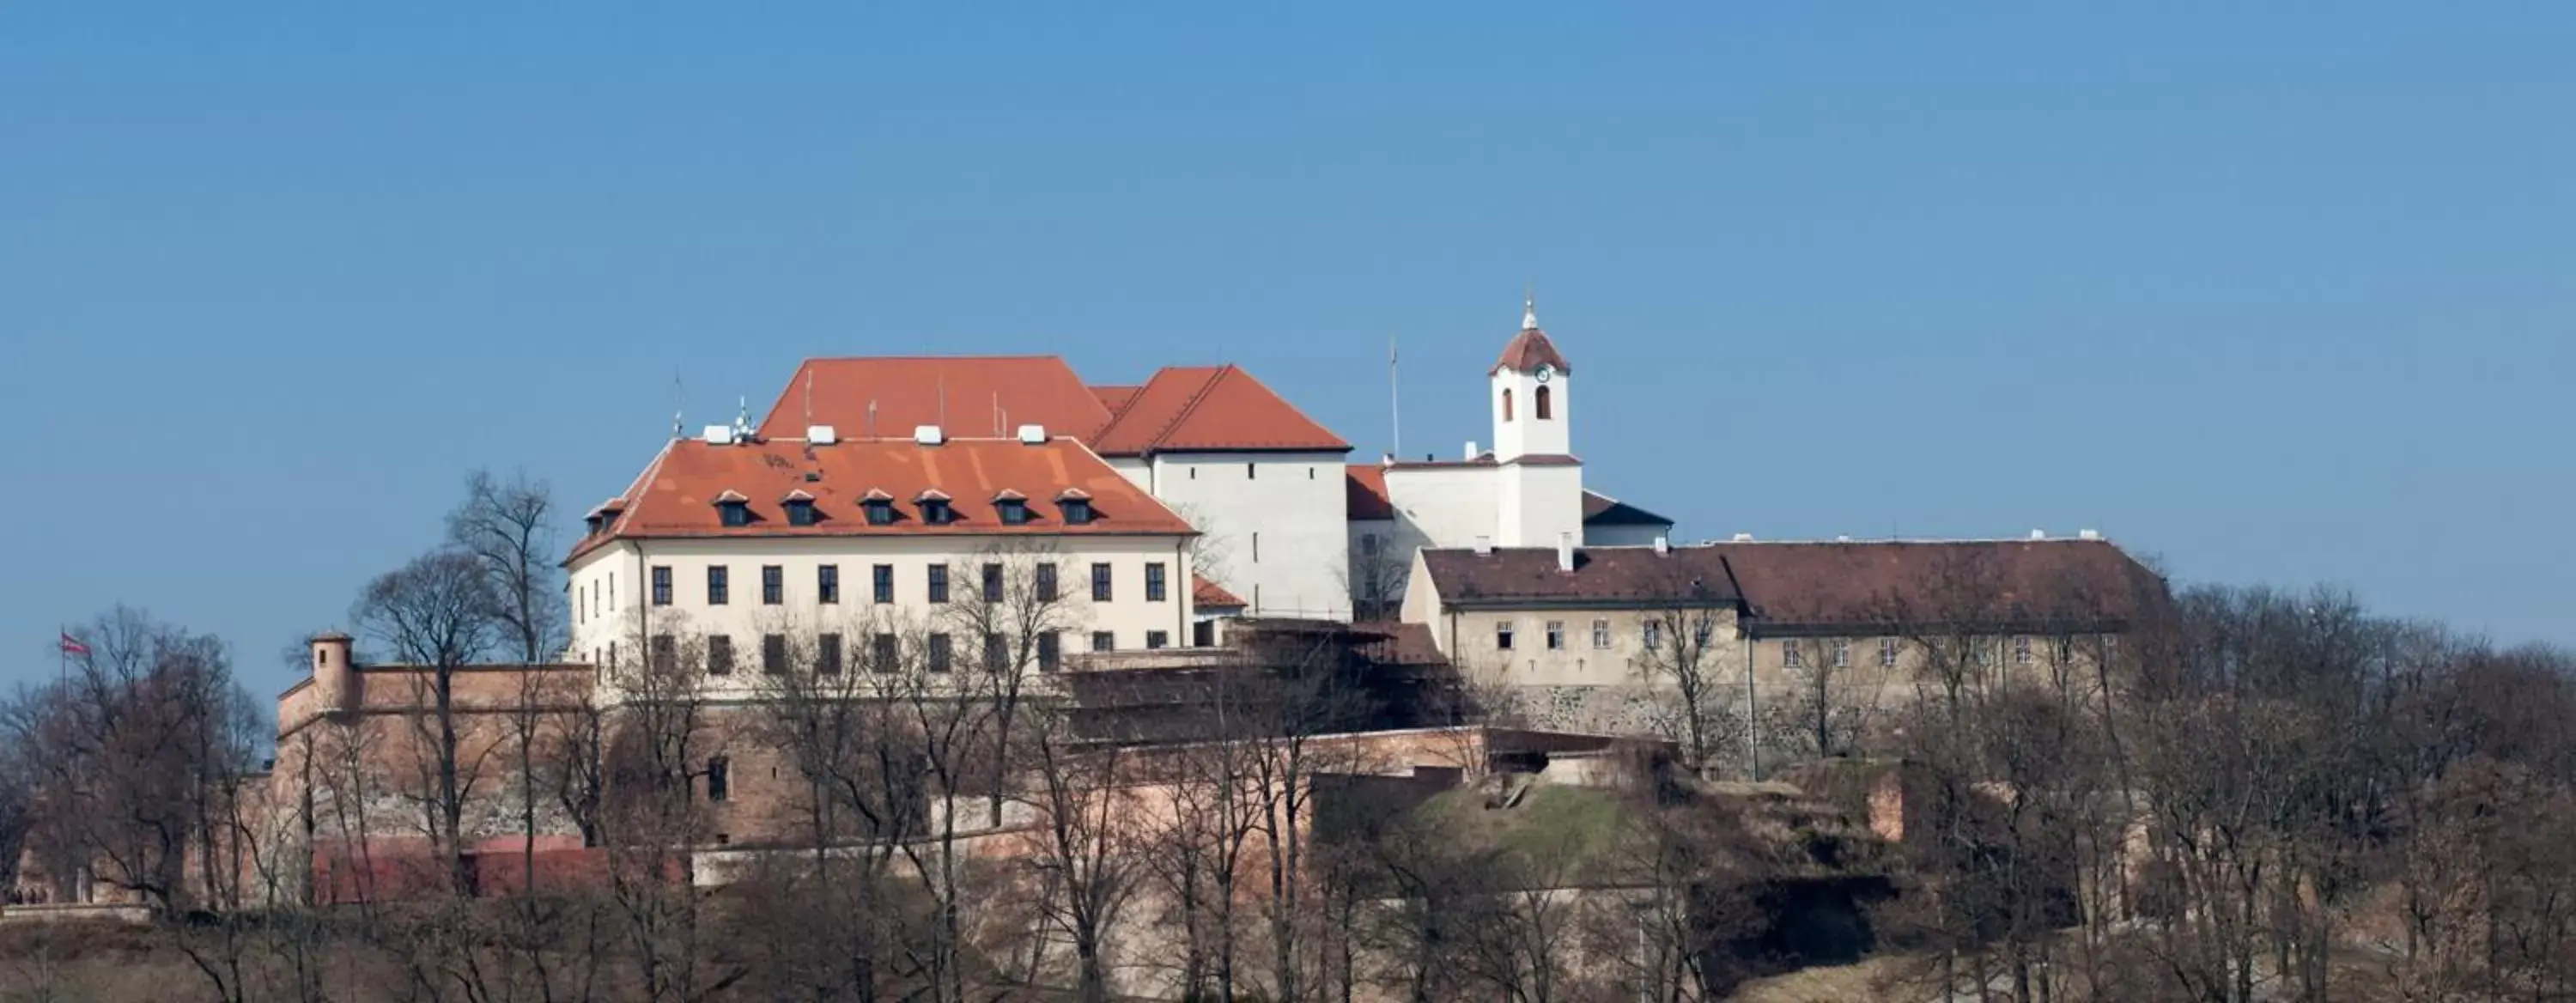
x: 1529, y: 308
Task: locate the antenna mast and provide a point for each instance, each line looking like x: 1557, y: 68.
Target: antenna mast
x: 676, y: 397
x: 1394, y: 402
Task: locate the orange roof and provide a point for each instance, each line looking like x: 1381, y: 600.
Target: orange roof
x: 1366, y: 483
x: 969, y: 395
x: 676, y: 496
x: 1115, y: 398
x: 1210, y: 407
x: 1529, y: 350
x: 1205, y: 594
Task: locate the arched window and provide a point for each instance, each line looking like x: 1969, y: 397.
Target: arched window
x: 1507, y: 403
x: 1543, y: 414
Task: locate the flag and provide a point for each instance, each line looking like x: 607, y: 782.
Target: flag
x: 72, y: 646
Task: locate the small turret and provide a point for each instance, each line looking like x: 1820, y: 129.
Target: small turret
x: 335, y: 673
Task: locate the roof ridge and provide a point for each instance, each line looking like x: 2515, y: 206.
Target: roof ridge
x: 1191, y: 407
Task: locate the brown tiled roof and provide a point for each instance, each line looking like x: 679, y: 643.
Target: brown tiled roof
x: 1205, y: 594
x: 1787, y: 587
x: 1998, y: 581
x: 1209, y: 407
x: 1602, y: 510
x: 1528, y: 350
x: 1602, y: 576
x: 676, y: 495
x: 1365, y: 485
x: 969, y: 395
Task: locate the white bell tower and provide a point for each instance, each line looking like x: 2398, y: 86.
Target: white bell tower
x: 1540, y: 503
x: 1529, y: 400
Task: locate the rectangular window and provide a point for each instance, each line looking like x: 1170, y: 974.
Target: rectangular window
x: 719, y: 779
x: 879, y: 513
x: 773, y: 585
x: 1100, y: 583
x: 1077, y: 511
x: 2065, y: 651
x: 720, y: 655
x: 938, y: 583
x: 997, y: 652
x: 1014, y: 513
x: 2021, y: 650
x: 719, y: 585
x: 666, y: 653
x: 1157, y: 639
x: 882, y: 652
x: 1790, y: 656
x: 661, y: 585
x: 1046, y: 582
x: 1600, y: 635
x: 1050, y: 651
x: 1503, y: 635
x: 1842, y: 654
x: 612, y: 591
x: 992, y: 583
x: 1368, y: 544
x: 1102, y: 640
x: 1556, y: 635
x: 883, y: 575
x: 827, y: 583
x: 1887, y: 652
x: 1154, y: 582
x: 773, y: 653
x: 827, y: 655
x: 1654, y: 634
x: 1256, y: 546
x: 943, y: 652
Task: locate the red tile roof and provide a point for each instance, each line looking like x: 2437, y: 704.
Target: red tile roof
x: 1365, y: 485
x: 1211, y: 408
x: 676, y: 495
x: 1208, y: 595
x: 1115, y: 398
x: 1528, y: 350
x: 1789, y: 587
x: 969, y: 395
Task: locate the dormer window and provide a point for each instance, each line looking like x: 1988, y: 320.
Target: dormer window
x: 604, y: 516
x: 935, y: 509
x: 733, y: 509
x: 800, y: 508
x: 879, y: 507
x: 1012, y: 506
x: 1075, y: 503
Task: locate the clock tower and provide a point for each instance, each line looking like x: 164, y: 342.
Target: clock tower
x: 1530, y: 404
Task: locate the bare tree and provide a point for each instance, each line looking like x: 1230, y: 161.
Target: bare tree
x: 437, y: 612
x: 1688, y: 626
x: 509, y: 528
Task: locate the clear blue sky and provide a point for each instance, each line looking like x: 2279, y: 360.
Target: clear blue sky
x: 2270, y: 292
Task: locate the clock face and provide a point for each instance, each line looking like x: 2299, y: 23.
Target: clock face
x: 1546, y: 372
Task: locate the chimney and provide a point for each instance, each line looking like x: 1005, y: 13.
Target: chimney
x: 335, y: 677
x: 928, y: 435
x: 821, y: 435
x: 2088, y: 534
x: 1743, y: 537
x: 2039, y: 534
x: 1663, y: 544
x: 1033, y: 435
x: 1471, y: 449
x: 1484, y: 546
x: 1565, y: 552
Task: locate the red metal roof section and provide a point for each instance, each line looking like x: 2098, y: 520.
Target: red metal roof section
x: 1528, y: 350
x: 1115, y: 398
x: 968, y: 395
x: 676, y: 496
x: 1366, y: 483
x: 1205, y: 594
x: 1210, y: 408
